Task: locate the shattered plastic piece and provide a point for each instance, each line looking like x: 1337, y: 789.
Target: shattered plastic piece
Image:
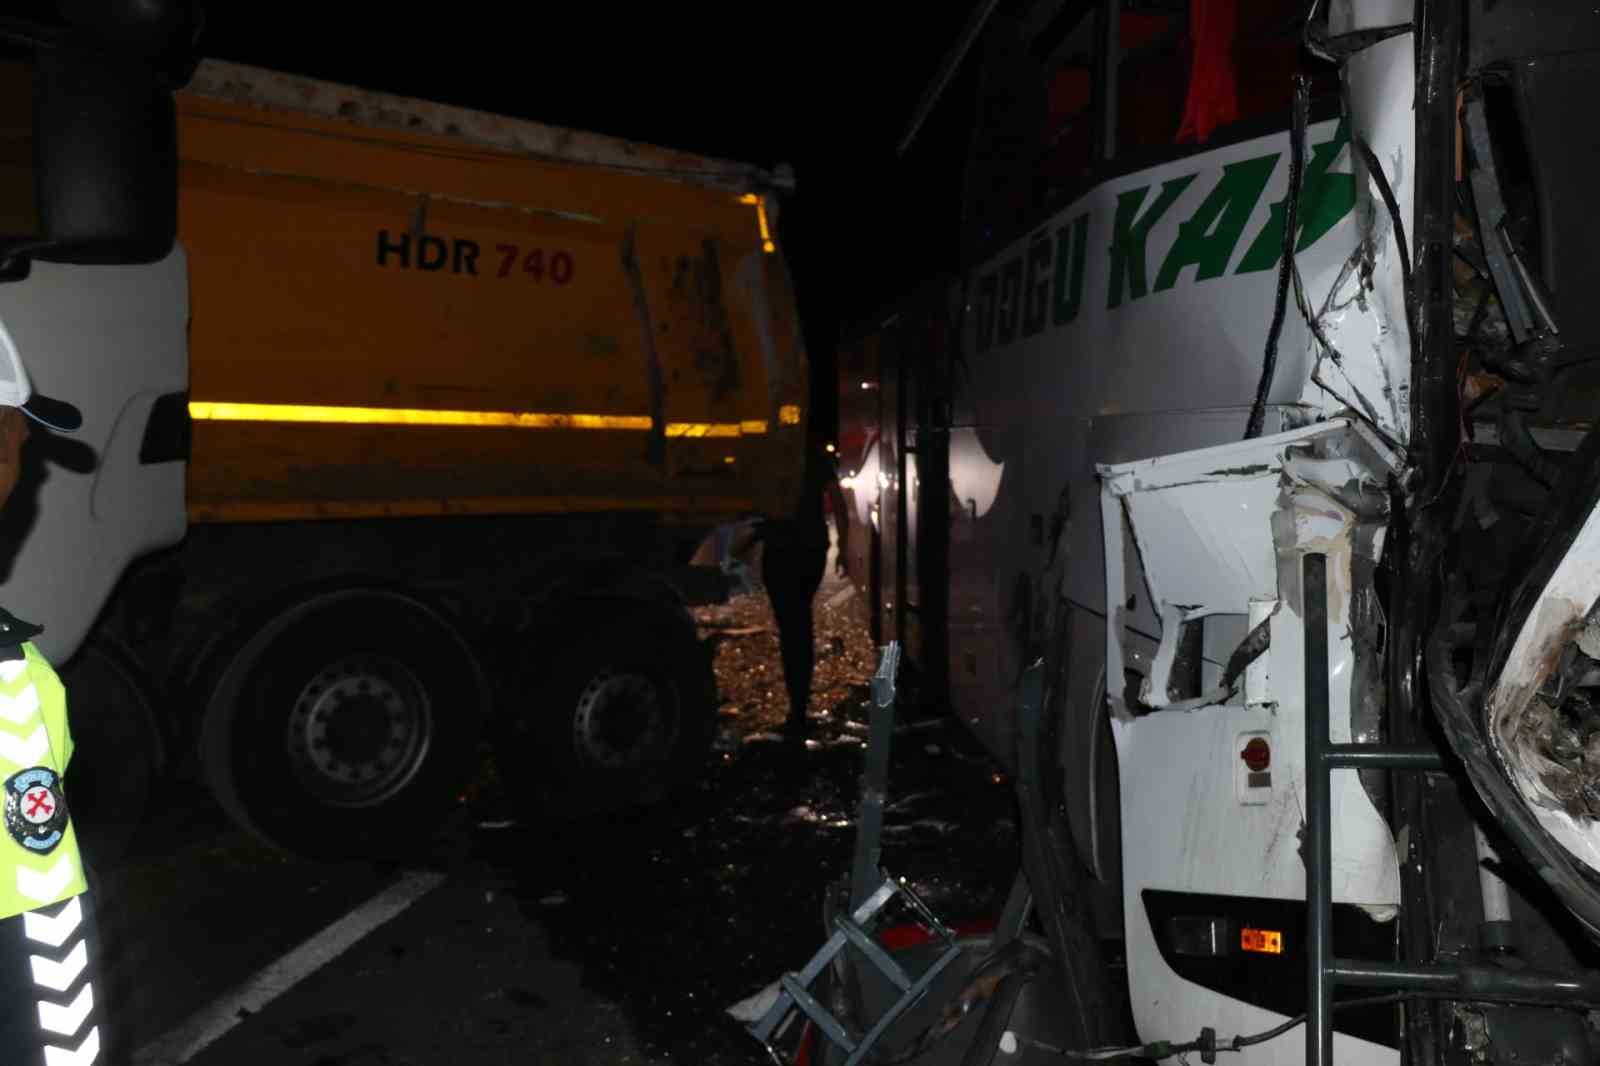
x: 753, y: 1008
x: 1589, y: 638
x: 1473, y: 1029
x: 747, y: 664
x: 1565, y: 745
x: 1563, y: 754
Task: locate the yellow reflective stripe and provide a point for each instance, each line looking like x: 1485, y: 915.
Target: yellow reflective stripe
x: 210, y: 411
x: 702, y: 429
x: 215, y: 411
x: 716, y: 429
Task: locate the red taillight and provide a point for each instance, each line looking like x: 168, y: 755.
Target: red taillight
x: 1257, y: 755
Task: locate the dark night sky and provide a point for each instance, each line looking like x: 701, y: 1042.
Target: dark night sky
x: 827, y: 87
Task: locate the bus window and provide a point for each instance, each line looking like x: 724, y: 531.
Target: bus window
x: 1187, y: 73
x: 1004, y: 157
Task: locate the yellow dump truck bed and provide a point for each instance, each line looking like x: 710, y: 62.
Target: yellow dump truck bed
x: 401, y: 308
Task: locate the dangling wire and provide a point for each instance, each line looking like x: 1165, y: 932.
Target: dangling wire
x: 1291, y: 233
x: 1381, y: 180
x: 1208, y: 1043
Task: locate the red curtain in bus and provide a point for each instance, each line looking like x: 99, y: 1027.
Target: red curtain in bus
x: 1213, y: 81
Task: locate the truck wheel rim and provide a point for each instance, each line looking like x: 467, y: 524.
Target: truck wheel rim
x: 624, y: 721
x: 359, y: 731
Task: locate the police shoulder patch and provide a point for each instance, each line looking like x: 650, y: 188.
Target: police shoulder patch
x: 35, y: 810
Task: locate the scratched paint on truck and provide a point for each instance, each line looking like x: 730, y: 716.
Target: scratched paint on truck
x: 342, y: 266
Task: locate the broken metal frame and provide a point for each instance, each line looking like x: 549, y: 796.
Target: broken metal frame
x: 1526, y: 305
x: 871, y: 890
x: 864, y: 872
x: 855, y: 931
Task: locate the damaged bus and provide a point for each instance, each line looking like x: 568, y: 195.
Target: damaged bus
x: 1252, y: 455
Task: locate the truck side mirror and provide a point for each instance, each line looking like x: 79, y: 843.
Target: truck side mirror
x: 88, y: 137
x: 105, y: 160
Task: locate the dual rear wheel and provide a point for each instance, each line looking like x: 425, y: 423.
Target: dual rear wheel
x: 346, y: 725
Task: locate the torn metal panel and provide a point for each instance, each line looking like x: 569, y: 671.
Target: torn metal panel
x: 1258, y: 675
x: 1203, y: 523
x: 1360, y: 310
x: 1200, y: 521
x: 1335, y: 505
x: 1156, y: 689
x: 1318, y: 488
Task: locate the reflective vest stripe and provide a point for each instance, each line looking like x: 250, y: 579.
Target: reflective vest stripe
x: 34, y: 736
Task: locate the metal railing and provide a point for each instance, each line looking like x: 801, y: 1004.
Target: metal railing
x: 1325, y: 971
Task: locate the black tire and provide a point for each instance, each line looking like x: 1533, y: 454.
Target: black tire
x: 344, y: 727
x: 117, y: 748
x: 620, y: 712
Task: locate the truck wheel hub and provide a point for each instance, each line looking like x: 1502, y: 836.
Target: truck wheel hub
x: 623, y: 721
x: 359, y: 731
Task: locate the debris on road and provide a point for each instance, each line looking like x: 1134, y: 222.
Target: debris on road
x: 749, y: 669
x: 751, y: 1009
x: 656, y: 919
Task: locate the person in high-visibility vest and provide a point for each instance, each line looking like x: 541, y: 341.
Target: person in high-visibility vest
x: 49, y: 1013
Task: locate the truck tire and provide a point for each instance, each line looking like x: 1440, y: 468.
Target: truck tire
x: 620, y: 712
x: 118, y: 748
x: 345, y: 725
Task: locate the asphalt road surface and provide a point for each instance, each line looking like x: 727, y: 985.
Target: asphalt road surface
x: 610, y: 941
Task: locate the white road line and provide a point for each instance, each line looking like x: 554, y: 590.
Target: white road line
x: 210, y: 1023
